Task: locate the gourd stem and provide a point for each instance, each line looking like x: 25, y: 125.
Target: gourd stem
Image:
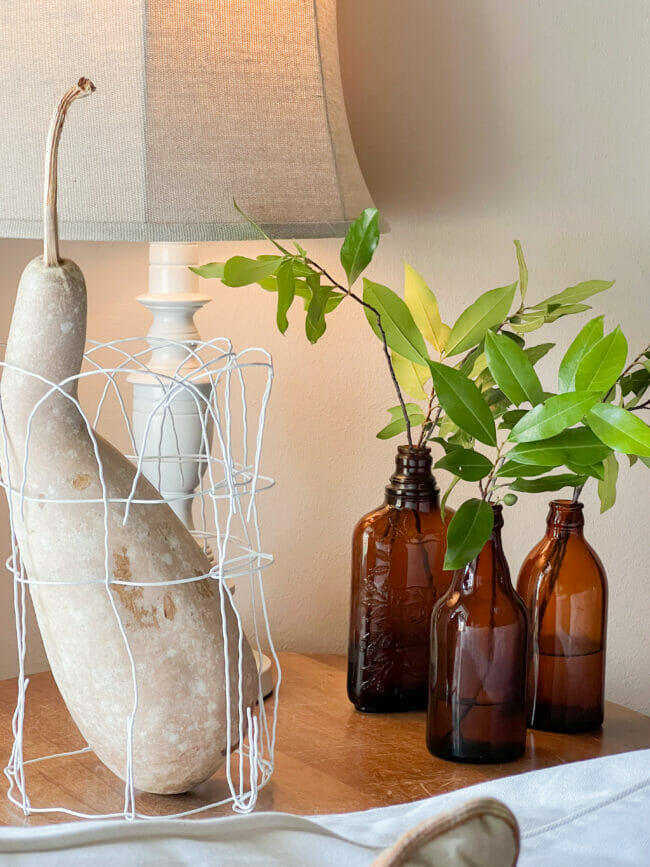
x: 50, y: 228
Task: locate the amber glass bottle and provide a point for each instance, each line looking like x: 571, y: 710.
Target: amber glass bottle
x: 564, y: 586
x: 397, y: 575
x: 477, y: 697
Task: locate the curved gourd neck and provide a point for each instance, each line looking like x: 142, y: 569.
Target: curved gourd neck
x: 50, y: 220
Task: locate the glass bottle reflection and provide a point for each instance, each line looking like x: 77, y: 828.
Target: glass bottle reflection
x: 564, y: 586
x: 397, y: 556
x: 477, y: 698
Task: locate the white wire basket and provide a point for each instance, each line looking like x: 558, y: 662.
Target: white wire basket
x: 230, y: 393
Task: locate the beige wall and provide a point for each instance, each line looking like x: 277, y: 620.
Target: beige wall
x: 475, y: 123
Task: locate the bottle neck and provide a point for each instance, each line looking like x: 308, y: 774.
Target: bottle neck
x: 490, y: 569
x: 412, y: 485
x: 564, y: 518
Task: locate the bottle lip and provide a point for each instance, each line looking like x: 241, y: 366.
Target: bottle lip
x: 413, y: 450
x: 565, y: 514
x: 566, y: 505
x: 412, y: 480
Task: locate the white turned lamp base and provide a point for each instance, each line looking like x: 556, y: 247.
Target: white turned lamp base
x: 265, y: 670
x: 173, y: 299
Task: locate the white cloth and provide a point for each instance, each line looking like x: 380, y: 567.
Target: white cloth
x: 586, y: 813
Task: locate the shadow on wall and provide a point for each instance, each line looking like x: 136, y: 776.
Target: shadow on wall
x: 422, y: 101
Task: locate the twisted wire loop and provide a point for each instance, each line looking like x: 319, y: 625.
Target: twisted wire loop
x: 230, y: 479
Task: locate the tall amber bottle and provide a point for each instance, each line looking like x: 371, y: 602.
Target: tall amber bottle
x: 564, y: 586
x: 397, y: 575
x: 477, y: 698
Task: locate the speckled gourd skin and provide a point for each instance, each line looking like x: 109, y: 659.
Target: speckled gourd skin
x: 175, y: 632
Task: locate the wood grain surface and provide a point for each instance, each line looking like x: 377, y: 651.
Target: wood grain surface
x: 329, y: 757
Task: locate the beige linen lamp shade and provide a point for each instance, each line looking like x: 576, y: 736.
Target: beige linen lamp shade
x: 198, y: 102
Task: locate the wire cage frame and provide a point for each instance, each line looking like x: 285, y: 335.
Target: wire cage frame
x: 232, y: 413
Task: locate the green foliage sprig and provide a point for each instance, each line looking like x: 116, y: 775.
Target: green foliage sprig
x: 476, y: 379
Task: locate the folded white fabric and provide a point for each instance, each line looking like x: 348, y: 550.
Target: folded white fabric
x: 593, y: 813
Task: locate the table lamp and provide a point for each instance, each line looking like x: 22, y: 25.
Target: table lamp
x: 198, y: 102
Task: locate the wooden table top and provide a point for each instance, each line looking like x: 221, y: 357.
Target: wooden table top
x: 329, y: 757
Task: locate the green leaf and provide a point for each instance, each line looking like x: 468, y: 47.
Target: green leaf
x: 445, y: 497
x: 423, y: 305
x: 548, y: 483
x: 445, y: 445
x: 636, y: 382
x: 510, y: 418
x: 587, y: 337
x: 619, y: 429
x: 580, y: 292
x: 523, y: 271
x: 524, y: 322
x: 393, y: 429
x: 466, y: 463
x: 468, y: 363
x: 553, y: 416
x: 241, y: 271
x: 468, y: 531
x: 360, y: 244
x: 578, y: 445
x: 402, y: 334
x: 412, y: 409
x: 603, y: 363
x: 484, y: 379
x: 463, y: 403
x: 333, y: 301
x: 512, y: 469
x: 512, y: 336
x: 607, y: 487
x: 565, y: 310
x: 535, y: 353
x: 286, y: 293
x: 496, y: 400
x: 594, y: 471
x: 397, y: 425
x: 447, y: 427
x: 512, y: 370
x: 315, y: 323
x: 410, y: 376
x: 479, y: 366
x: 490, y: 309
x: 212, y: 269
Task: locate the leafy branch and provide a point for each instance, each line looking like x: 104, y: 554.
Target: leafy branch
x: 476, y: 393
x: 296, y: 274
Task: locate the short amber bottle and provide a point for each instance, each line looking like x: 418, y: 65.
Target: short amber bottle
x: 397, y: 575
x: 564, y: 586
x: 477, y: 698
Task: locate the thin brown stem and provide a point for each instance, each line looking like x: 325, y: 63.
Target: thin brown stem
x: 491, y: 481
x: 434, y: 422
x: 50, y: 226
x: 423, y: 432
x: 377, y: 314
